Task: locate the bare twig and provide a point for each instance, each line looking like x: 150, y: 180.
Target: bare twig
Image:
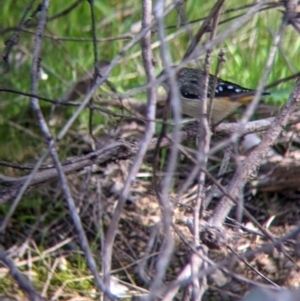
x: 25, y: 185
x: 220, y: 37
x: 96, y: 68
x: 78, y: 39
x: 105, y: 74
x: 199, y: 285
x: 65, y: 11
x: 203, y: 28
x: 51, y: 146
x: 255, y: 158
x: 151, y: 105
x: 249, y: 166
x: 167, y: 249
x: 266, y: 6
x: 185, y: 276
x: 22, y: 281
x: 51, y: 18
x: 13, y: 40
x: 225, y: 161
x: 253, y: 269
x: 123, y: 150
x: 282, y: 80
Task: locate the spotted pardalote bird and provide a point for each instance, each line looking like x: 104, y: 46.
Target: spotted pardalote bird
x: 227, y: 97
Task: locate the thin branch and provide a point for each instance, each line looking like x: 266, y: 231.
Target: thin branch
x: 203, y: 28
x: 65, y: 11
x: 123, y: 151
x: 224, y: 34
x: 22, y: 281
x: 149, y: 131
x: 282, y: 80
x: 51, y: 147
x: 96, y: 68
x: 105, y: 74
x: 199, y: 285
x: 251, y: 163
x: 23, y: 188
x: 167, y: 248
x: 14, y: 39
x: 78, y: 39
x: 255, y: 158
x: 51, y: 18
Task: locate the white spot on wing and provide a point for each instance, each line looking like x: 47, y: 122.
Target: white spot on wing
x: 237, y: 90
x: 230, y: 87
